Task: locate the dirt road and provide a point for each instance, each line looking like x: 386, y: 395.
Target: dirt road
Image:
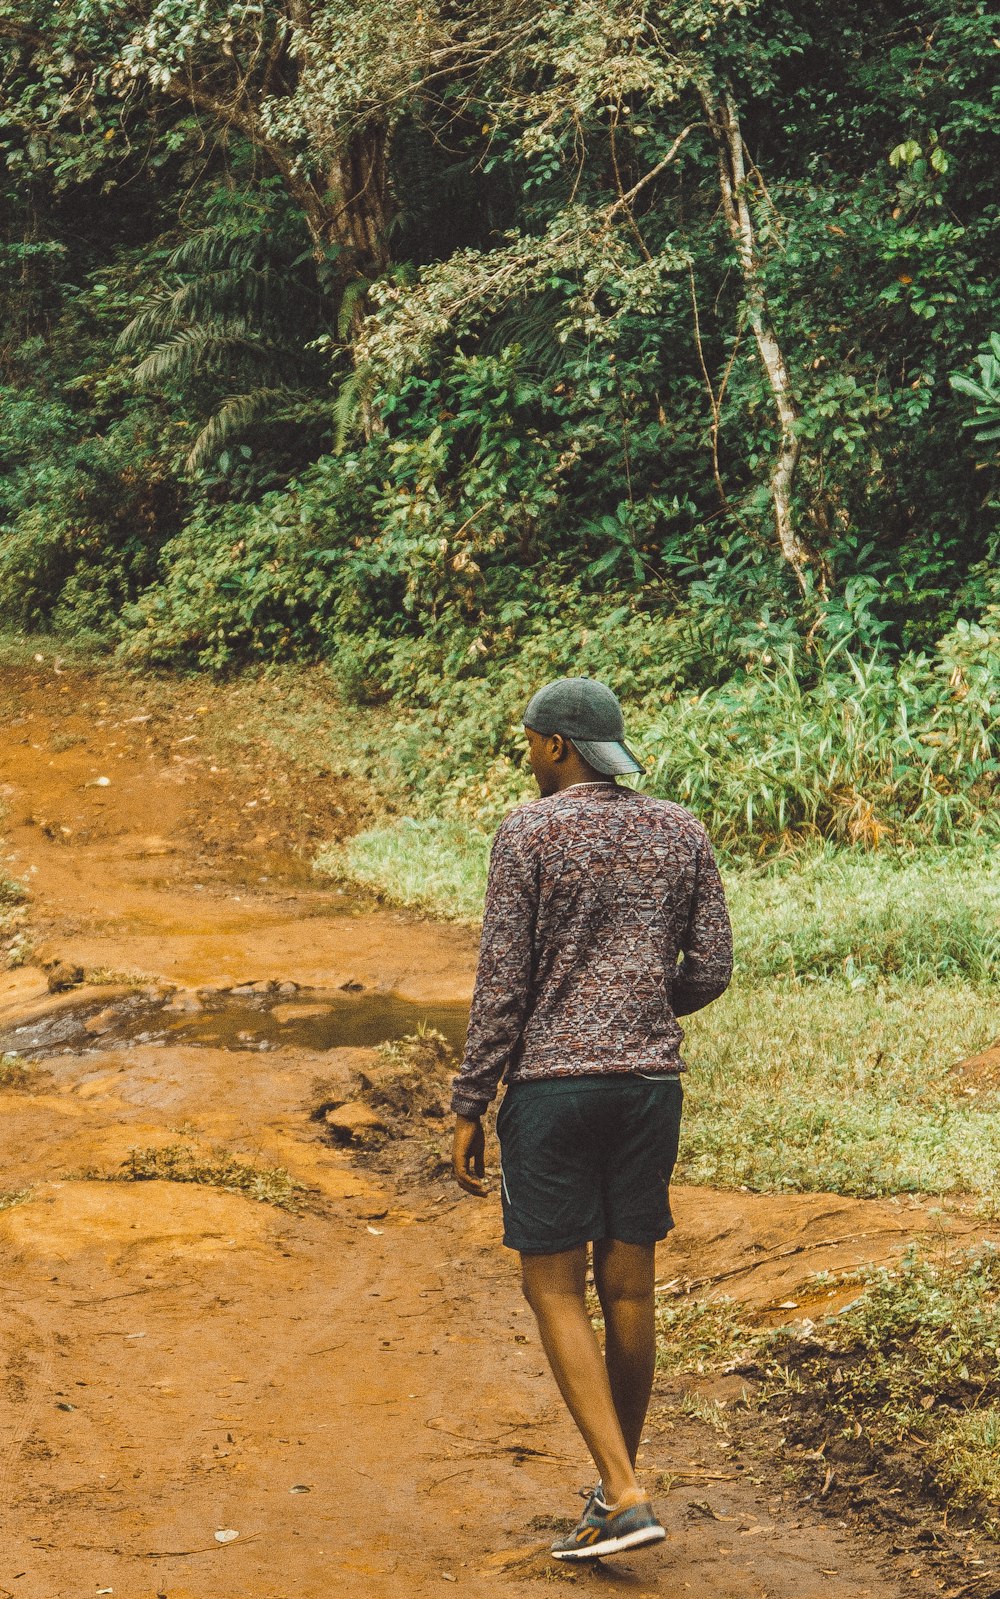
x: 208, y: 1396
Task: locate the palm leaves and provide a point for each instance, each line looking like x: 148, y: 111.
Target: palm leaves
x: 242, y: 318
x: 237, y: 414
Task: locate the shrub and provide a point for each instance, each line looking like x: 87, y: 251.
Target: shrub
x: 242, y: 583
x: 857, y: 751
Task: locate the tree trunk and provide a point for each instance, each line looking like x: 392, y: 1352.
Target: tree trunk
x: 351, y: 208
x: 358, y: 188
x: 723, y: 119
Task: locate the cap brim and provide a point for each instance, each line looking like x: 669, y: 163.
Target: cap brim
x: 610, y: 759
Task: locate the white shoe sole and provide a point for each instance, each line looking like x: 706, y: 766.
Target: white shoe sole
x: 613, y: 1546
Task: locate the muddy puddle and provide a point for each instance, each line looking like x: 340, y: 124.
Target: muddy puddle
x: 266, y: 1018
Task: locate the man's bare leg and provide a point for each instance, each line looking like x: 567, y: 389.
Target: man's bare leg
x: 624, y: 1275
x: 555, y: 1288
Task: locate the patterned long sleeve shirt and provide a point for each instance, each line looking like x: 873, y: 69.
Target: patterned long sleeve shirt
x: 605, y: 920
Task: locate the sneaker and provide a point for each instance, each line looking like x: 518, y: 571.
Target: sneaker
x: 603, y: 1531
x: 594, y: 1496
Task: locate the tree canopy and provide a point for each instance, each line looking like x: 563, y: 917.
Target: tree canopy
x: 328, y: 322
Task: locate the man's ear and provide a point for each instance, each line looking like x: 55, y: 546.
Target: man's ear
x: 558, y: 747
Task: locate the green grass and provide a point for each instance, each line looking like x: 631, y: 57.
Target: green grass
x: 919, y: 916
x: 24, y: 649
x: 180, y: 1163
x: 699, y: 1334
x: 822, y: 912
x: 909, y: 1375
x: 431, y: 864
x: 9, y: 1197
x: 821, y: 1086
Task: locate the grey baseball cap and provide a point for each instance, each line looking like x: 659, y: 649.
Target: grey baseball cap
x: 589, y: 715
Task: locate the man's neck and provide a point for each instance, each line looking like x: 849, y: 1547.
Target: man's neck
x: 581, y: 776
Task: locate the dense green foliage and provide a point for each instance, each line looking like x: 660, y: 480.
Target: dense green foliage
x: 465, y: 350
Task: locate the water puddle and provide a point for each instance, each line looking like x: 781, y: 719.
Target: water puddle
x: 308, y: 1019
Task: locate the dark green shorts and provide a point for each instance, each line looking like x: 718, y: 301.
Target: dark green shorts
x: 587, y: 1158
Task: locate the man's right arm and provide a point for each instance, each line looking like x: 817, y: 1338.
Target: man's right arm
x: 503, y: 981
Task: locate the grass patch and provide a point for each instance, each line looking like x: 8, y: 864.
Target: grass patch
x: 14, y: 943
x: 10, y: 1197
x: 14, y: 1074
x: 21, y: 948
x: 433, y: 864
x: 902, y: 1385
x: 906, y: 1381
x: 180, y: 1163
x: 11, y: 892
x: 710, y: 1412
x: 699, y: 1335
x: 59, y: 743
x: 822, y: 1086
x: 921, y: 915
x: 114, y: 977
x: 44, y: 650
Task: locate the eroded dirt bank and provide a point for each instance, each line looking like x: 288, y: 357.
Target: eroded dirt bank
x: 355, y: 1390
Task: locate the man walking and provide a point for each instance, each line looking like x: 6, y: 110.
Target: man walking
x: 605, y: 920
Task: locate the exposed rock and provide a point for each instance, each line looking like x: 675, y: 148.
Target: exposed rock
x: 63, y: 975
x: 158, y: 991
x: 354, y: 1122
x: 184, y: 1001
x: 102, y: 1022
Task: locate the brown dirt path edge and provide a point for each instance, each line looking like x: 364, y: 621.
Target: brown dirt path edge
x: 357, y: 1394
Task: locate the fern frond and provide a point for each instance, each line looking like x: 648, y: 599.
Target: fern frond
x: 241, y: 411
x: 348, y: 408
x: 531, y: 325
x: 146, y: 325
x: 242, y: 308
x: 352, y: 297
x: 196, y: 347
x: 213, y: 249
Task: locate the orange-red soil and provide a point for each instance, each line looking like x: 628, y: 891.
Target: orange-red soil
x: 356, y: 1391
